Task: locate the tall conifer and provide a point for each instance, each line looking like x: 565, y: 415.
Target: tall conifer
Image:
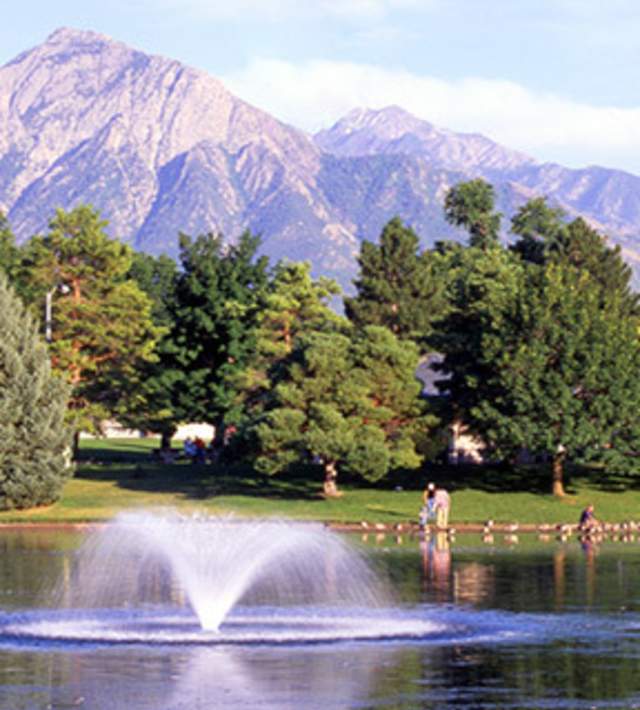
x: 398, y: 287
x: 34, y: 441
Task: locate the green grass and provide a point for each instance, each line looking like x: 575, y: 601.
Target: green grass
x: 115, y: 475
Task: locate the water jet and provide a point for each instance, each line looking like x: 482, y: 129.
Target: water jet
x: 165, y: 577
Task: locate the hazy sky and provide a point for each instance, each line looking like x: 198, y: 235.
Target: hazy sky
x: 558, y: 79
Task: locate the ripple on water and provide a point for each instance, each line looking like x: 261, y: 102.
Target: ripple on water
x: 302, y: 625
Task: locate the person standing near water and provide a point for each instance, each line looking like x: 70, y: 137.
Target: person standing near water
x: 428, y: 504
x: 442, y: 505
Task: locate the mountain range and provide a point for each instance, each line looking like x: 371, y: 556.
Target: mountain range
x: 160, y: 148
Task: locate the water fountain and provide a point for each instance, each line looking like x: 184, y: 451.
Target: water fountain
x: 163, y: 577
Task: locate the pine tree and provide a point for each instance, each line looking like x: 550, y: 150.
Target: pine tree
x: 150, y: 405
x: 293, y: 306
x: 102, y: 330
x: 471, y: 205
x: 539, y: 229
x: 9, y: 253
x: 544, y: 238
x: 398, y: 287
x: 34, y: 441
x: 346, y: 401
x: 582, y: 247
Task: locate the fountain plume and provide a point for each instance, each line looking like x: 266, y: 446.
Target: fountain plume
x: 215, y: 563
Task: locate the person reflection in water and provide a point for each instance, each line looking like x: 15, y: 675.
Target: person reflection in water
x: 436, y: 565
x: 590, y: 547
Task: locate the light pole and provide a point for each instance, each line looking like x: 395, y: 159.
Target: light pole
x: 48, y: 308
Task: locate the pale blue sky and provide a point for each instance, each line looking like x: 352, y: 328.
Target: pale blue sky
x: 557, y: 79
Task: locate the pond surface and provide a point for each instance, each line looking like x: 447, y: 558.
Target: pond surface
x: 527, y: 625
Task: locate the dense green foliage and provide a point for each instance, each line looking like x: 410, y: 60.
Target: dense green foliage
x: 555, y: 373
x: 398, y: 287
x: 101, y: 329
x: 217, y: 297
x: 534, y: 346
x: 34, y: 440
x: 471, y: 205
x: 349, y: 399
x: 9, y: 253
x: 541, y: 351
x: 150, y: 406
x: 292, y: 305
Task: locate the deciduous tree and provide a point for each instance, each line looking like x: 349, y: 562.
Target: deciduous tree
x: 555, y: 372
x: 218, y: 293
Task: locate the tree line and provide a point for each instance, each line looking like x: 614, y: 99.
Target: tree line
x: 537, y: 343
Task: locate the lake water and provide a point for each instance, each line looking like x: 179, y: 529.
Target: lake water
x: 527, y: 625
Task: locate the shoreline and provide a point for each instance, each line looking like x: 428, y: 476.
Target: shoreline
x: 362, y: 527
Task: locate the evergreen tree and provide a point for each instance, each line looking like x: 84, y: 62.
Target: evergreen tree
x: 293, y: 305
x: 582, y: 247
x: 544, y: 237
x: 150, y: 405
x: 101, y: 327
x: 8, y: 249
x: 539, y: 228
x: 398, y: 287
x: 346, y: 401
x: 156, y: 276
x: 34, y: 440
x: 471, y: 205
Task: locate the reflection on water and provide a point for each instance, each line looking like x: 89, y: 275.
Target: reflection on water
x: 539, y: 625
x: 436, y: 565
x: 271, y: 679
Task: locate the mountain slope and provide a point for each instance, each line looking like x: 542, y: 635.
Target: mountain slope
x: 156, y: 146
x: 609, y: 198
x: 395, y: 131
x: 160, y: 148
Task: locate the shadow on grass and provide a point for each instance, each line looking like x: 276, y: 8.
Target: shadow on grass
x: 199, y: 481
x: 612, y: 482
x: 491, y: 478
x: 130, y: 465
x: 533, y: 478
x: 104, y: 452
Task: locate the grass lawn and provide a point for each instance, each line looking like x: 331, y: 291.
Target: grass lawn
x: 114, y: 475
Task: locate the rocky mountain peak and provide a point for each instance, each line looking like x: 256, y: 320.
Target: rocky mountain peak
x: 158, y: 148
x: 70, y: 35
x: 390, y: 122
x: 395, y: 130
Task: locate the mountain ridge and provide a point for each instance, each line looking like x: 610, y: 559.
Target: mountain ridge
x: 159, y: 147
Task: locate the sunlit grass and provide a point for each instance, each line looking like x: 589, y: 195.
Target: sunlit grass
x: 116, y: 475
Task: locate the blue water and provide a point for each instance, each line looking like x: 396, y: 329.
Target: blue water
x: 474, y: 626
